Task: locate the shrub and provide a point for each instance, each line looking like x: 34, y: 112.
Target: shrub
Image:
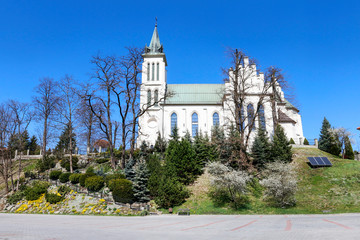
x: 30, y: 174
x: 63, y: 190
x: 113, y: 176
x: 45, y: 164
x: 94, y: 183
x: 122, y: 190
x: 17, y: 196
x: 83, y: 178
x: 34, y: 192
x: 53, y: 198
x: 102, y: 160
x: 306, y: 142
x: 90, y: 170
x: 65, y: 163
x: 64, y: 177
x: 74, y: 178
x: 233, y: 182
x: 280, y: 183
x: 171, y: 193
x: 54, y: 175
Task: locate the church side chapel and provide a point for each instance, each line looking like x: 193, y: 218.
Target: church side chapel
x: 196, y: 108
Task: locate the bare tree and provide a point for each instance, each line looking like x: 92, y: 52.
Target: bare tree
x: 22, y: 115
x: 106, y: 74
x: 45, y: 104
x: 68, y: 107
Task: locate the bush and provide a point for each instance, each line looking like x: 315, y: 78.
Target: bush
x: 65, y: 163
x: 63, y: 190
x: 74, y: 178
x: 113, y: 176
x: 90, y: 170
x: 53, y: 198
x: 122, y: 190
x: 306, y: 142
x: 102, y: 160
x: 94, y: 183
x: 64, y: 177
x: 30, y: 174
x: 83, y: 178
x: 34, y: 192
x: 45, y: 164
x: 280, y: 183
x: 54, y: 175
x: 171, y: 193
x: 16, y: 197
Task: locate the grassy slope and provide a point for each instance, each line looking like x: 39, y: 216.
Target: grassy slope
x: 335, y: 189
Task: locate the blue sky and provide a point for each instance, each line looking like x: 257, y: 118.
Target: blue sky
x: 317, y: 43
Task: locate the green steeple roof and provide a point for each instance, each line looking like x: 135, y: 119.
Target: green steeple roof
x: 155, y: 45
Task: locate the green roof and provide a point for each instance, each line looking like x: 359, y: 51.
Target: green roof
x: 195, y: 93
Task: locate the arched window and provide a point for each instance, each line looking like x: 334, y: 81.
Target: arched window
x: 156, y: 97
x: 262, y: 122
x: 157, y: 71
x: 173, y: 121
x: 195, y: 124
x: 148, y: 71
x: 216, y: 120
x: 250, y: 114
x: 149, y: 97
x: 153, y: 71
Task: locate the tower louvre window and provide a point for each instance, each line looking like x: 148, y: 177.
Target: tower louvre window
x: 153, y: 72
x: 149, y: 97
x: 148, y: 71
x: 195, y: 124
x: 156, y: 97
x: 157, y: 71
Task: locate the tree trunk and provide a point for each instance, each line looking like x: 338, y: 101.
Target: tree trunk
x: 44, y: 137
x: 70, y: 146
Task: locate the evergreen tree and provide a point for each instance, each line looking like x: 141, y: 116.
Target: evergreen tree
x: 171, y: 192
x: 19, y: 142
x: 292, y: 141
x: 144, y: 149
x: 188, y: 137
x: 64, y: 140
x: 349, y: 153
x: 280, y: 147
x: 160, y: 144
x: 204, y: 151
x: 261, y: 150
x: 33, y: 146
x: 155, y: 168
x: 141, y: 192
x: 129, y: 169
x: 175, y: 134
x: 306, y: 142
x: 325, y: 136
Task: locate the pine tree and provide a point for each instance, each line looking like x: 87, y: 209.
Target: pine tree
x: 155, y: 168
x: 141, y: 192
x: 349, y: 153
x: 175, y: 134
x: 64, y: 140
x: 325, y: 136
x: 204, y: 151
x: 261, y: 150
x: 292, y: 141
x: 129, y: 169
x: 306, y: 142
x: 280, y: 147
x: 160, y: 144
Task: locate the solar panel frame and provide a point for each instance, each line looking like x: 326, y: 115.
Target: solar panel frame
x: 326, y: 161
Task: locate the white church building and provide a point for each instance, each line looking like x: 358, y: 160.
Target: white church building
x: 198, y: 108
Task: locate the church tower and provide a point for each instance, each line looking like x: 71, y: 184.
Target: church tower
x: 153, y: 89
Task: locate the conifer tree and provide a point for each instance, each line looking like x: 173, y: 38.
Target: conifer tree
x: 155, y: 168
x: 160, y: 144
x: 204, y: 151
x: 141, y: 192
x: 129, y: 169
x: 261, y: 150
x: 280, y: 147
x: 349, y: 153
x: 306, y: 142
x: 64, y: 140
x: 328, y: 141
x: 292, y: 141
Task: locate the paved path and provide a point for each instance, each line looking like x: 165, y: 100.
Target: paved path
x: 319, y: 227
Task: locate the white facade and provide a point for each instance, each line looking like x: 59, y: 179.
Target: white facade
x: 187, y: 101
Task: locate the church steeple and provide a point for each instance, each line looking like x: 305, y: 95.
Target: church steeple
x: 155, y: 45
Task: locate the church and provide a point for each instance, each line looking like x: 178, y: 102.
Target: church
x: 196, y: 108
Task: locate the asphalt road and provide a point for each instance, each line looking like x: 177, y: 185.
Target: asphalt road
x: 51, y: 227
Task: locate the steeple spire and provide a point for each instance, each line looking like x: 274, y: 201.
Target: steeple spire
x: 155, y: 45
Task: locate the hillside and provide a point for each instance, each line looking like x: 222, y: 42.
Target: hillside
x: 320, y: 190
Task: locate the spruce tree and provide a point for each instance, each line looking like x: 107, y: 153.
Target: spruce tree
x: 325, y: 136
x: 204, y: 151
x: 129, y: 169
x: 349, y: 153
x: 155, y: 168
x: 33, y: 146
x: 141, y: 192
x: 306, y: 142
x: 261, y: 150
x: 160, y: 144
x: 64, y: 140
x: 280, y: 147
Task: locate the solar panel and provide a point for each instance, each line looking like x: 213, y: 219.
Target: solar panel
x: 320, y: 162
x: 313, y: 162
x: 326, y: 161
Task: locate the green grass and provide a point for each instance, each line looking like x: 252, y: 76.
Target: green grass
x: 320, y: 190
